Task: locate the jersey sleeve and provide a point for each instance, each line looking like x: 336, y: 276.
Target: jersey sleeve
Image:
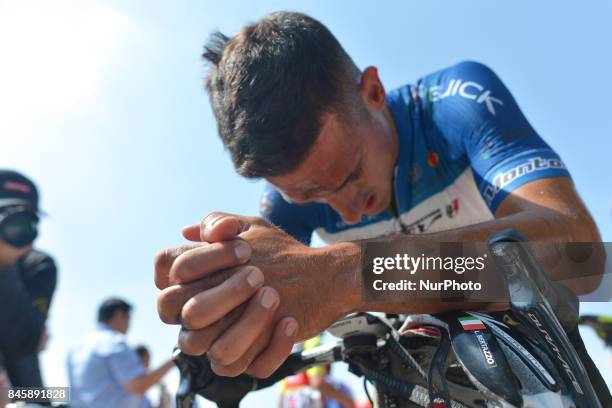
x: 478, y: 115
x: 295, y: 219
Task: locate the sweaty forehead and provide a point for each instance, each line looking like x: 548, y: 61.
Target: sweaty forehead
x: 330, y: 158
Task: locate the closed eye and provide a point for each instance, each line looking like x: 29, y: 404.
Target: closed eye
x: 355, y: 174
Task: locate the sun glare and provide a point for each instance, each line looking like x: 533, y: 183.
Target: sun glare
x: 54, y: 55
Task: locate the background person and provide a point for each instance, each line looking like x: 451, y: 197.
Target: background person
x: 103, y: 371
x: 144, y: 354
x: 296, y: 390
x: 145, y: 358
x: 334, y: 392
x: 27, y: 283
x: 165, y: 399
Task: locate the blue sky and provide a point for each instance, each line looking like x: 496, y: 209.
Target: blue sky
x: 102, y: 104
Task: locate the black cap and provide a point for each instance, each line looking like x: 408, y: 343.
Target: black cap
x: 17, y: 189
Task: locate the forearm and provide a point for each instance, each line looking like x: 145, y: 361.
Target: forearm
x: 141, y: 384
x: 346, y: 259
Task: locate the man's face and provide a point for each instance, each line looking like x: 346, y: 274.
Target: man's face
x: 145, y: 358
x: 123, y: 321
x: 9, y: 253
x: 350, y: 167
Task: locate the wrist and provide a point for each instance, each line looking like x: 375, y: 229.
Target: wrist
x: 344, y: 264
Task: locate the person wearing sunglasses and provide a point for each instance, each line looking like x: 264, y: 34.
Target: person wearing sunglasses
x: 27, y: 282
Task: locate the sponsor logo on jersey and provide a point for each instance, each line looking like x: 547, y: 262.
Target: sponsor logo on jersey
x: 424, y: 223
x: 504, y: 178
x: 466, y: 89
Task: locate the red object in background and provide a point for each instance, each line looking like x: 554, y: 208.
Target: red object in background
x: 295, y: 381
x: 363, y: 404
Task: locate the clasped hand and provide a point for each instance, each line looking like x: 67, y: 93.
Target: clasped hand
x: 244, y: 292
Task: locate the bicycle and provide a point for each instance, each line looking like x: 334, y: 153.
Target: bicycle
x: 518, y: 358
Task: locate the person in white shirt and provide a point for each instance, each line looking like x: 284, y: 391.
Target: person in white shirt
x: 103, y: 370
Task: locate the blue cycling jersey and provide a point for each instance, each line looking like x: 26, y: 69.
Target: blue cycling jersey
x: 464, y: 145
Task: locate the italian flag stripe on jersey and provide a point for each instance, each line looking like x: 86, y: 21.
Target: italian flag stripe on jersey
x: 471, y: 323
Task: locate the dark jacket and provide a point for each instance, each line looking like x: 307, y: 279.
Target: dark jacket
x: 26, y: 291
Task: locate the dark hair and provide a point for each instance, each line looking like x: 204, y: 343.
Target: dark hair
x: 270, y: 85
x: 109, y: 307
x: 141, y: 350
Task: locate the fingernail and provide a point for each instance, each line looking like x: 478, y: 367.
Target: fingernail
x: 290, y: 328
x: 255, y: 278
x: 268, y: 299
x: 243, y: 251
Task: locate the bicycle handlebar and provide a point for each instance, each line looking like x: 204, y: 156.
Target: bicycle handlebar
x: 531, y: 294
x: 227, y: 392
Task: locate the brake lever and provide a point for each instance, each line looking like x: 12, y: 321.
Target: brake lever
x: 526, y: 282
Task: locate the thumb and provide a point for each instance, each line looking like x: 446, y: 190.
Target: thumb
x: 192, y: 232
x: 216, y: 227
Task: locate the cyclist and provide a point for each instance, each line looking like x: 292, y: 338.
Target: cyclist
x: 27, y: 283
x: 450, y: 158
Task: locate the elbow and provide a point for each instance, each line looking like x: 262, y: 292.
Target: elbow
x: 581, y: 227
x: 567, y: 225
x: 584, y: 252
